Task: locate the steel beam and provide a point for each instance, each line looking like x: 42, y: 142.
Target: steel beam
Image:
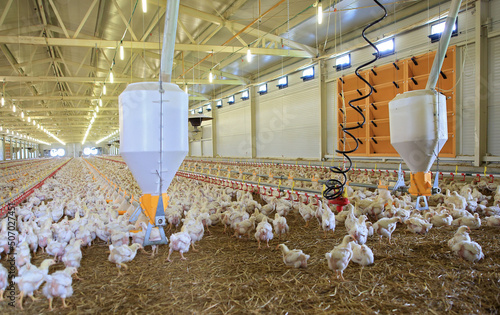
x: 137, y: 45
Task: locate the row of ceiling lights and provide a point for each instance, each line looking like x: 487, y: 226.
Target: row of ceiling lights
x: 28, y: 120
x: 110, y: 76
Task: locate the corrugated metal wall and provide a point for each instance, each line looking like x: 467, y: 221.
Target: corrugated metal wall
x: 466, y: 99
x: 233, y: 130
x: 494, y: 96
x: 287, y: 120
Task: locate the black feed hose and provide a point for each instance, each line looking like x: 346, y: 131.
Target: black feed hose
x: 335, y: 187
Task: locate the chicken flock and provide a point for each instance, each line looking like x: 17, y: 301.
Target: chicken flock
x: 77, y: 209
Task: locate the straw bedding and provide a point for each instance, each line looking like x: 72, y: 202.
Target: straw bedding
x: 418, y: 274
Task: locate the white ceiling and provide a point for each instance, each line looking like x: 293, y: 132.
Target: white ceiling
x: 58, y: 83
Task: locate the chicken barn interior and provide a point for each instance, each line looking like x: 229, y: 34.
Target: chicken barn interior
x: 248, y: 156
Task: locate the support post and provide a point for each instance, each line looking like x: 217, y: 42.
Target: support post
x: 253, y: 109
x: 322, y: 109
x: 215, y: 117
x: 481, y: 82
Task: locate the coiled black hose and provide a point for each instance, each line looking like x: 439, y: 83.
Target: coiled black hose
x: 335, y: 187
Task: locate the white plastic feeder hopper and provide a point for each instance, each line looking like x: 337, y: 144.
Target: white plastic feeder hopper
x: 418, y: 121
x: 154, y: 131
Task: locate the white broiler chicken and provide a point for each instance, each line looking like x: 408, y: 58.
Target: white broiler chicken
x: 264, y: 232
x: 350, y: 219
x: 121, y: 254
x: 493, y: 221
x: 244, y: 227
x: 328, y: 221
x: 339, y: 257
x: 59, y: 284
x: 293, y: 258
x: 179, y: 242
x: 31, y: 279
x: 195, y: 230
x: 460, y: 235
x: 319, y: 212
x: 473, y: 223
x: 280, y: 225
x: 119, y: 238
x: 4, y: 280
x: 359, y: 230
x: 23, y: 255
x: 205, y: 220
x: 306, y: 212
x: 154, y: 236
x: 454, y: 198
x: 385, y: 227
x: 468, y: 250
x: 443, y: 219
x: 56, y: 249
x: 417, y: 225
x: 361, y: 254
x: 72, y: 254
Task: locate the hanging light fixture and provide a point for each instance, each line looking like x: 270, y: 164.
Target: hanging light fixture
x: 100, y: 102
x: 29, y: 119
x: 111, y: 79
x: 14, y: 108
x: 186, y: 89
x: 144, y: 6
x: 249, y: 55
x: 104, y: 89
x: 3, y: 101
x: 320, y: 12
x: 210, y: 77
x: 22, y: 114
x: 34, y: 123
x: 122, y: 52
x: 97, y: 108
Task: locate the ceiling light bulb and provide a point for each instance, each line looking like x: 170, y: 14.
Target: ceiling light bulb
x: 29, y: 119
x: 97, y: 108
x: 95, y: 114
x: 186, y: 89
x: 34, y: 123
x: 111, y: 79
x: 100, y: 102
x: 3, y: 101
x: 144, y: 6
x: 22, y: 114
x: 320, y: 13
x: 210, y: 77
x: 122, y: 52
x: 249, y: 55
x: 104, y: 89
x: 14, y: 108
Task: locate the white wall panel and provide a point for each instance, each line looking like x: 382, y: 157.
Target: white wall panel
x: 233, y: 131
x: 206, y: 131
x: 494, y: 96
x: 287, y: 121
x: 331, y: 119
x: 495, y: 15
x: 466, y: 99
x: 195, y: 148
x: 207, y: 148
